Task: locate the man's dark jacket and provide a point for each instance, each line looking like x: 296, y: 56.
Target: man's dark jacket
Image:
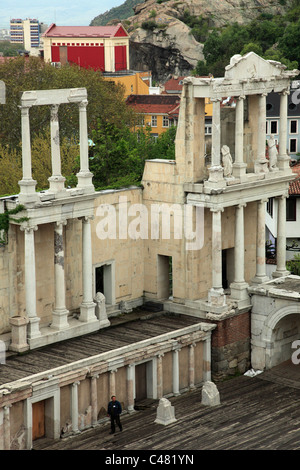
x: 114, y: 408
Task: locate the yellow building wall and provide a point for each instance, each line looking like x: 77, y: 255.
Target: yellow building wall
x: 133, y: 84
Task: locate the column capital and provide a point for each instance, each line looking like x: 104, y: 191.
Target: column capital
x: 241, y: 205
x: 216, y: 100
x: 75, y: 384
x: 241, y: 97
x: 216, y: 209
x: 284, y: 92
x: 27, y: 229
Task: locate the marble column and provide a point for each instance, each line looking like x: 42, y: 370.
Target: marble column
x: 57, y: 181
x: 130, y: 380
x: 84, y: 176
x: 216, y: 294
x: 207, y: 359
x: 216, y: 172
x: 192, y: 366
x: 30, y: 283
x: 260, y: 275
x: 27, y: 184
x: 239, y: 167
x: 239, y: 286
x: 160, y: 391
x: 94, y: 399
x: 74, y: 407
x: 261, y: 163
x: 112, y: 382
x: 281, y: 239
x: 176, y: 372
x: 283, y: 159
x: 60, y: 313
x: 87, y: 308
x: 6, y: 427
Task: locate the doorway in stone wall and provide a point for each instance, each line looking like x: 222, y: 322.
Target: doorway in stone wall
x: 38, y: 420
x: 104, y: 281
x: 164, y: 277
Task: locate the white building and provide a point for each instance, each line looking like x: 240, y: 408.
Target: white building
x: 27, y: 33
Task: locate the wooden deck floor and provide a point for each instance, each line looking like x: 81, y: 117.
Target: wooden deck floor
x: 124, y: 330
x: 255, y: 414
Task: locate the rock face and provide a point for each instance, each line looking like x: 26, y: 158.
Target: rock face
x: 169, y: 47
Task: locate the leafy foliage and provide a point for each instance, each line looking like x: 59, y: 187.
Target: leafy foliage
x: 119, y: 154
x: 20, y: 74
x: 273, y: 37
x: 293, y: 265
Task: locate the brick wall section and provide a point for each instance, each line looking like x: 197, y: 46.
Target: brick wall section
x: 231, y: 330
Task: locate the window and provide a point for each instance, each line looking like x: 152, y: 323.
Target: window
x: 274, y: 127
x: 293, y: 127
x: 208, y: 130
x: 291, y: 209
x: 153, y: 121
x: 165, y: 121
x: 270, y: 207
x: 293, y: 146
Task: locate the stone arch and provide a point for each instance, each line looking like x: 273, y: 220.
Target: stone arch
x: 272, y: 321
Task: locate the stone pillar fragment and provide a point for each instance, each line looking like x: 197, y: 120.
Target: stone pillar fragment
x: 283, y: 158
x: 159, y: 376
x: 165, y: 412
x: 176, y: 372
x: 74, y: 407
x: 94, y: 401
x: 210, y: 394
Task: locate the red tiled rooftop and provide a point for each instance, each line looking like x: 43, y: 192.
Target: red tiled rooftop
x: 85, y: 31
x: 154, y: 104
x: 294, y: 186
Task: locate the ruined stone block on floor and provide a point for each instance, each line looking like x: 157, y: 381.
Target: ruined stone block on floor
x: 210, y: 394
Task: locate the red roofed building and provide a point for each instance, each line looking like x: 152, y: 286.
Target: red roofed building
x: 159, y: 111
x: 104, y: 48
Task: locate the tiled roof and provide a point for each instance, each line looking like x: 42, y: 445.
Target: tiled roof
x: 294, y: 186
x: 154, y: 104
x: 84, y: 31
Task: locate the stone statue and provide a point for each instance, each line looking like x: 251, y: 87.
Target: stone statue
x: 101, y: 309
x: 273, y: 153
x: 227, y: 161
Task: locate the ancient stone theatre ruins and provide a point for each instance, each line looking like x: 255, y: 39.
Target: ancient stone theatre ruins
x: 63, y: 280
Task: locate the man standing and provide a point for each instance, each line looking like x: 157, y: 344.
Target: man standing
x: 114, y: 410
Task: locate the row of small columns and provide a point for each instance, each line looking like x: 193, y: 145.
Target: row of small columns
x: 27, y: 184
x: 239, y: 251
x: 239, y: 166
x: 60, y: 313
x: 130, y: 380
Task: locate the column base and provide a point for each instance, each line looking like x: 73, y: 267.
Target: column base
x: 27, y: 193
x: 87, y: 312
x: 239, y: 170
x: 18, y: 334
x: 33, y: 329
x: 261, y: 166
x: 216, y: 297
x: 280, y: 273
x: 239, y: 290
x: 283, y: 162
x: 260, y: 279
x: 85, y: 181
x: 57, y: 183
x: 60, y: 319
x: 216, y: 178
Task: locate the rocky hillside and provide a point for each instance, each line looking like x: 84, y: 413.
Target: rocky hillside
x: 162, y: 42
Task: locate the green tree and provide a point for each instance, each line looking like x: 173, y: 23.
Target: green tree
x: 106, y: 100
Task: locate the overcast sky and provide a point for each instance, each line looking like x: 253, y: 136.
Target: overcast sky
x: 61, y: 12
